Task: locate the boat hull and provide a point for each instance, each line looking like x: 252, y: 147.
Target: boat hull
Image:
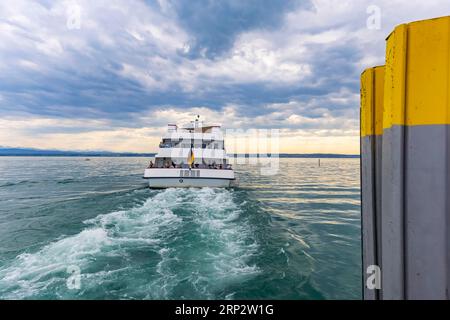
x: 159, y: 183
x: 189, y: 178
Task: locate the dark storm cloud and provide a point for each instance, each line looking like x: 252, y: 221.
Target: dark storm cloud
x: 130, y: 58
x: 214, y: 25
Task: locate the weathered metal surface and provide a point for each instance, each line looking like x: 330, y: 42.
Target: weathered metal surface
x: 410, y: 160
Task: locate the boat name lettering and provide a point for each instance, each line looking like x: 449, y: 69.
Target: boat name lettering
x: 190, y: 173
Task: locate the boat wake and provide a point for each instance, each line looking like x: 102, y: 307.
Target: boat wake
x: 180, y: 243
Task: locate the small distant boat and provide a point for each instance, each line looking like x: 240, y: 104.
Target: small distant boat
x: 191, y: 156
x: 87, y: 159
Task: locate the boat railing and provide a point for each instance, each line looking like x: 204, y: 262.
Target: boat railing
x: 205, y: 146
x: 185, y: 166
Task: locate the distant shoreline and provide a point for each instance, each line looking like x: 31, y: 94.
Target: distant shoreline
x: 284, y: 156
x: 28, y: 152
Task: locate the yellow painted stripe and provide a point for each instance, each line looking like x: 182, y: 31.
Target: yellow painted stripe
x: 394, y: 97
x: 366, y: 103
x: 379, y: 98
x: 417, y: 74
x: 372, y: 88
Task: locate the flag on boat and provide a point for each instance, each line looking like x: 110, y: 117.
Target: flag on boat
x: 191, y: 158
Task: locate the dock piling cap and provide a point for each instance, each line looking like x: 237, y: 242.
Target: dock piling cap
x: 372, y: 96
x: 418, y: 73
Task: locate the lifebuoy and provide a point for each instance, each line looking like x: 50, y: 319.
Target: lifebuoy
x: 181, y: 180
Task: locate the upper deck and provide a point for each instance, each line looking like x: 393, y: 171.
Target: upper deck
x: 195, y: 128
x: 186, y: 135
x: 195, y: 132
x: 205, y: 142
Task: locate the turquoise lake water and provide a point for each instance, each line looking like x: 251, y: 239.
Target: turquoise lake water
x: 294, y: 235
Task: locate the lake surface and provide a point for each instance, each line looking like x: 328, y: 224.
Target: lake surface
x: 76, y: 229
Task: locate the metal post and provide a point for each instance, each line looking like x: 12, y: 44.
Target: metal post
x: 372, y: 87
x: 405, y: 164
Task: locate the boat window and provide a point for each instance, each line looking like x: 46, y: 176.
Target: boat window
x: 188, y: 143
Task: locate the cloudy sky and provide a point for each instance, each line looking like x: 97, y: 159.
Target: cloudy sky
x: 109, y: 75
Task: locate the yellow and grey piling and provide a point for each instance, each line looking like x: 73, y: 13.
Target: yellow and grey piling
x: 372, y: 87
x: 406, y: 181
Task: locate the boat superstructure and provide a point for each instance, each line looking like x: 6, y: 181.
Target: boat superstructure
x: 191, y: 156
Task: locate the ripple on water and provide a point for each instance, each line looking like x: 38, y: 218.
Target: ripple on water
x: 161, y: 230
x: 294, y: 235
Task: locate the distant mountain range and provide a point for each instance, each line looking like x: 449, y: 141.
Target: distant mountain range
x: 5, y: 151
x: 29, y: 152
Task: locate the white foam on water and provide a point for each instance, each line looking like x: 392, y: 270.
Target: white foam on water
x: 109, y: 234
x: 31, y: 273
x: 220, y: 259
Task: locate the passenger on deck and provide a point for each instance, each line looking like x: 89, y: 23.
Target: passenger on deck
x: 150, y: 164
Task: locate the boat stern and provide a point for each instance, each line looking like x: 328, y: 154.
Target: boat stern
x: 187, y: 178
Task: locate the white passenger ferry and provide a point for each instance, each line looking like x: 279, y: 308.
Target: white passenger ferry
x: 191, y: 156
